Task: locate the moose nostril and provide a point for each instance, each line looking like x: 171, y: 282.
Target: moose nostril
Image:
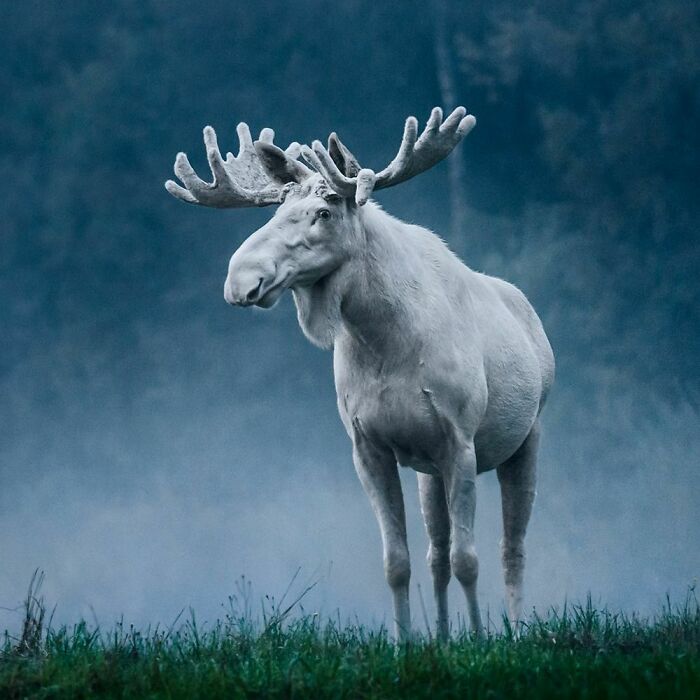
x: 253, y: 293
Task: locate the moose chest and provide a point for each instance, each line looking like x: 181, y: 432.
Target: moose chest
x: 402, y: 407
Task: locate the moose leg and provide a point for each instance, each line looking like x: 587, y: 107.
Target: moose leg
x: 517, y: 479
x: 460, y: 483
x: 379, y: 475
x: 433, y: 504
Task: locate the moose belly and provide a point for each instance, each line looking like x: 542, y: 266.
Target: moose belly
x: 418, y: 445
x: 417, y: 462
x: 420, y: 427
x: 401, y: 421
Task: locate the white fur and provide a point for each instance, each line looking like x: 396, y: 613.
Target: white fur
x: 437, y: 367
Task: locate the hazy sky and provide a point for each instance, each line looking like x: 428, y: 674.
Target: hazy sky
x: 155, y: 444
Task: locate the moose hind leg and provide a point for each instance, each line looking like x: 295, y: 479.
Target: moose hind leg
x: 379, y: 475
x: 437, y: 524
x: 517, y: 478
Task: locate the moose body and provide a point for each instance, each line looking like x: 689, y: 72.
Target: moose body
x: 437, y: 367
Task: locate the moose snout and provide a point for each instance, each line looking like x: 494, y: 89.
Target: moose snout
x: 243, y: 290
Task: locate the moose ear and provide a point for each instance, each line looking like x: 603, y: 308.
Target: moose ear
x: 344, y: 160
x: 333, y: 197
x: 281, y: 166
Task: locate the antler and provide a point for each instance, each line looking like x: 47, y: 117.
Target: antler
x: 254, y: 178
x: 415, y: 155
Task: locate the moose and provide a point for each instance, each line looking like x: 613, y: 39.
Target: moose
x: 437, y: 367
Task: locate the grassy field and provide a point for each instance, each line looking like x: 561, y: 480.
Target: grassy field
x: 579, y: 652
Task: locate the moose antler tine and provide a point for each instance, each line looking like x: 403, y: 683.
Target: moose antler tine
x: 245, y: 140
x: 340, y: 153
x: 453, y: 121
x: 214, y: 156
x: 366, y: 180
x: 319, y: 157
x: 328, y: 164
x: 210, y: 140
x: 311, y: 158
x: 293, y: 150
x: 434, y: 120
x: 267, y: 135
x: 410, y: 135
x: 466, y: 125
x: 180, y: 192
x: 432, y: 128
x: 189, y: 177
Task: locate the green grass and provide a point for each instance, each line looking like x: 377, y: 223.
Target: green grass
x: 579, y: 652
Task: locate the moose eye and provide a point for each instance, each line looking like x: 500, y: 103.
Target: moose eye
x: 324, y: 214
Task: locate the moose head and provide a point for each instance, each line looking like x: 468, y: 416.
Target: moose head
x: 315, y: 229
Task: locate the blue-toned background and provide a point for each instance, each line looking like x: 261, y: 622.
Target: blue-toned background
x: 156, y: 444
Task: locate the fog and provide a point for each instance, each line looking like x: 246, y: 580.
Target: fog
x: 156, y: 445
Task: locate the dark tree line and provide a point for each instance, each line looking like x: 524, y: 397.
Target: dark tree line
x: 579, y: 184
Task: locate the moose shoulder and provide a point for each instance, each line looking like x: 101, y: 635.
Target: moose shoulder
x: 437, y: 367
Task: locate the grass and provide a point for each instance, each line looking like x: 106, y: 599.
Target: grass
x: 579, y: 652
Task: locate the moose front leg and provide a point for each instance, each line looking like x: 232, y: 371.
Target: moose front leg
x: 460, y: 487
x: 379, y: 475
x: 431, y: 489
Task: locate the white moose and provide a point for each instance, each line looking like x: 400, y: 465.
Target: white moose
x: 437, y: 367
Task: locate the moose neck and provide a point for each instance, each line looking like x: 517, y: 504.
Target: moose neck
x: 368, y: 296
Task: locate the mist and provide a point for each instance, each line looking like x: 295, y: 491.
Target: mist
x: 156, y: 445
